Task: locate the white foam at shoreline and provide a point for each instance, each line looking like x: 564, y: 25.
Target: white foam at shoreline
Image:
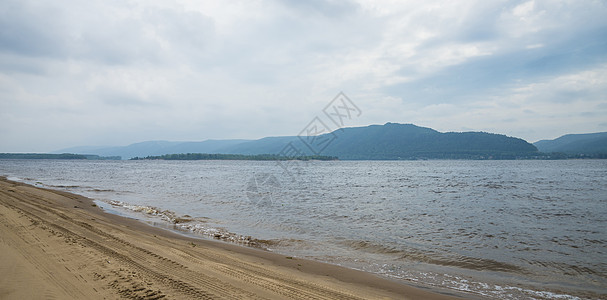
x: 189, y: 224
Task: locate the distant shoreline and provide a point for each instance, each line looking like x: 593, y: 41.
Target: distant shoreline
x: 207, y: 156
x: 277, y: 157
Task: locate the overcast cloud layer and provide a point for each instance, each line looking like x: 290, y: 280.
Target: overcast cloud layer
x: 117, y: 72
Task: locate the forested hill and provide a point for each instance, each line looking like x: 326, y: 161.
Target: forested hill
x: 581, y: 144
x: 407, y: 141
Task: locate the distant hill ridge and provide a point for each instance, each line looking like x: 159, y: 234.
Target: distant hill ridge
x: 388, y: 141
x: 588, y: 144
x: 408, y: 141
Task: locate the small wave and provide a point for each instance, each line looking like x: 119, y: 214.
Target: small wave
x: 27, y: 180
x: 500, y: 291
x: 479, y: 264
x: 459, y: 261
x: 570, y: 269
x: 491, y: 185
x: 464, y: 284
x: 371, y: 247
x: 102, y: 190
x: 65, y: 186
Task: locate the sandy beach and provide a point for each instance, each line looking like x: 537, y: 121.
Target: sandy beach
x: 57, y: 245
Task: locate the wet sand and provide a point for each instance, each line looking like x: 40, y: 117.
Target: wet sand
x: 57, y: 245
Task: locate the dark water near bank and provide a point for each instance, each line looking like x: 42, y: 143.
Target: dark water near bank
x: 505, y: 229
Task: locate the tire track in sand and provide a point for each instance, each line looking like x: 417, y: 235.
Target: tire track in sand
x: 166, y: 274
x: 152, y: 267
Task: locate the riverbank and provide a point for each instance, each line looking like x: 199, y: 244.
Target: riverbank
x: 60, y: 245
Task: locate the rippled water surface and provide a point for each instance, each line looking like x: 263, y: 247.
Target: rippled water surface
x: 506, y: 229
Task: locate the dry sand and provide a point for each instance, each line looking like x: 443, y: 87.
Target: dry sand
x: 57, y: 245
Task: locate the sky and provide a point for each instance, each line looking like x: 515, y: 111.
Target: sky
x: 111, y: 73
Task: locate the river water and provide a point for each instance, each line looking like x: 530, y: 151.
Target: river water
x: 503, y: 229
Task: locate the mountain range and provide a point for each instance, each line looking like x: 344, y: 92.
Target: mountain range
x: 388, y: 141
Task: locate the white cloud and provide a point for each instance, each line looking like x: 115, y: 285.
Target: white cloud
x: 100, y: 72
x: 535, y: 46
x: 538, y: 110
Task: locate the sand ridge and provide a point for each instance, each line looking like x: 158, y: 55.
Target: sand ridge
x: 57, y: 245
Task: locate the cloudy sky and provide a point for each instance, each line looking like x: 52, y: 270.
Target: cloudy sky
x: 117, y: 72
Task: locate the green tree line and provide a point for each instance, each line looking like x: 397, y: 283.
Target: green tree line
x: 207, y: 156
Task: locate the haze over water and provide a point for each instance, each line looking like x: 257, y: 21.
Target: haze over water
x: 499, y: 228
